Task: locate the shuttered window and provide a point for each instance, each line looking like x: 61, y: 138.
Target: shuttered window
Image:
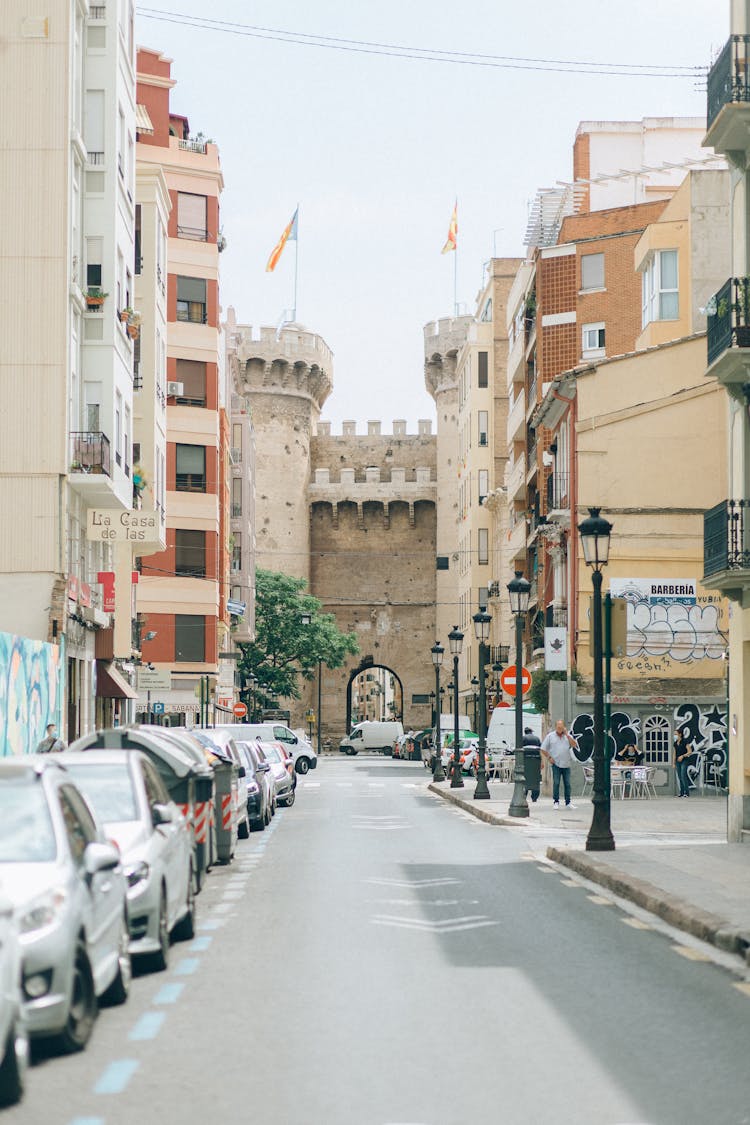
x: 191, y: 216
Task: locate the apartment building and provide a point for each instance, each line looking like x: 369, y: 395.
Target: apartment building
x: 182, y: 592
x: 241, y: 540
x: 71, y: 377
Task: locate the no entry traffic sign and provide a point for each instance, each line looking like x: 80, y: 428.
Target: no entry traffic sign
x: 239, y: 710
x: 508, y: 680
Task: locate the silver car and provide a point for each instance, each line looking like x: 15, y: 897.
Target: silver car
x: 14, y: 1043
x: 128, y: 796
x: 284, y: 778
x: 69, y: 900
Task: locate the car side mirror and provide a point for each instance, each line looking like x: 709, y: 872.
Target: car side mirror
x: 243, y: 772
x: 100, y: 857
x: 161, y: 814
x: 263, y: 767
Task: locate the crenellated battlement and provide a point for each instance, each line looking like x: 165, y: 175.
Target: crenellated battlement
x: 290, y: 361
x: 443, y: 339
x: 374, y: 429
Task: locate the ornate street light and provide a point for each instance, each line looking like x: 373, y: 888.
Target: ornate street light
x: 437, y: 652
x: 456, y: 640
x: 595, y: 532
x: 519, y: 591
x: 482, y: 623
x: 474, y: 685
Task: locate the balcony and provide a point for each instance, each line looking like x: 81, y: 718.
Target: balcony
x: 90, y: 467
x: 196, y: 234
x: 558, y: 498
x: 728, y: 108
x: 728, y: 332
x: 517, y: 416
x: 192, y: 146
x: 726, y: 547
x: 517, y: 477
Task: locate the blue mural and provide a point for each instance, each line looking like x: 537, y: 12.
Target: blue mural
x: 31, y: 692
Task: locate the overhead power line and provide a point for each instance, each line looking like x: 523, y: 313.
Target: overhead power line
x: 427, y: 54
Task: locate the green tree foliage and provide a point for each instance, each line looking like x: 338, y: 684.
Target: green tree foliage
x: 284, y: 649
x: 539, y: 693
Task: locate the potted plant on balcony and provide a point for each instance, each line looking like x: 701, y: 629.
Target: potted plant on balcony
x: 125, y: 315
x: 95, y: 297
x: 133, y: 331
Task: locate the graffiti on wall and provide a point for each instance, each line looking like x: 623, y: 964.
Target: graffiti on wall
x: 707, y: 730
x: 668, y: 620
x: 623, y: 728
x: 30, y: 692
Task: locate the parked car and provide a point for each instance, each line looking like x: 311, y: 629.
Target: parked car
x: 300, y: 748
x: 284, y: 780
x: 14, y: 1043
x: 258, y: 798
x: 155, y: 841
x: 263, y: 774
x: 68, y: 891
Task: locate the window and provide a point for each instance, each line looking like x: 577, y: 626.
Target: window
x: 192, y: 375
x: 154, y: 786
x: 121, y: 143
x: 482, y: 369
x: 656, y: 740
x: 487, y: 311
x: 483, y: 598
x: 483, y: 546
x: 191, y: 299
x: 79, y: 825
x: 126, y: 441
x: 190, y: 463
x: 189, y: 638
x: 190, y: 553
x: 443, y: 562
x: 482, y: 426
x: 661, y: 299
x: 593, y: 339
x: 93, y: 263
x: 592, y: 271
x: 236, y: 558
x: 236, y: 497
x: 94, y: 126
x: 237, y: 441
x: 191, y: 216
x: 484, y: 484
x: 118, y: 428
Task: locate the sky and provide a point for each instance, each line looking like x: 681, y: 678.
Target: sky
x: 376, y: 149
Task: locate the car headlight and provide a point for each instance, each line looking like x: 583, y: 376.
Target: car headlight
x: 137, y: 873
x: 42, y: 912
x: 252, y: 786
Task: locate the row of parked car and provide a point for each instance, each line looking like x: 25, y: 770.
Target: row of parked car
x: 103, y: 850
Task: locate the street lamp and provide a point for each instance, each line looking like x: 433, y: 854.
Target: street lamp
x: 456, y: 640
x: 595, y: 532
x: 482, y: 623
x: 252, y: 680
x: 474, y: 686
x: 519, y: 591
x: 437, y: 652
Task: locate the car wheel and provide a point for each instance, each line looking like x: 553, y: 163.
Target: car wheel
x: 302, y: 765
x: 289, y: 801
x: 185, y: 928
x: 13, y: 1068
x: 117, y: 993
x: 243, y: 829
x: 83, y: 1007
x: 161, y: 957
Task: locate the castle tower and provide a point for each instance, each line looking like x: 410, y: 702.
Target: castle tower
x: 443, y: 340
x: 288, y: 376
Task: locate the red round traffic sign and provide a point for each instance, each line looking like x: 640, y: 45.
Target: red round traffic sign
x: 508, y: 680
x: 239, y: 710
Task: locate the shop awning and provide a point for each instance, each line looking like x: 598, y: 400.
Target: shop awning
x: 110, y: 682
x: 142, y: 120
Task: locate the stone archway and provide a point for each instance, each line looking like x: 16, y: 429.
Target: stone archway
x: 373, y: 692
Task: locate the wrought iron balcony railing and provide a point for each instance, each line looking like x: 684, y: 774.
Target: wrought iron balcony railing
x: 557, y: 492
x: 725, y: 546
x: 90, y: 453
x: 729, y: 318
x: 729, y: 77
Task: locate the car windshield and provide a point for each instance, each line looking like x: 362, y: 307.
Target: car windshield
x: 26, y: 832
x: 108, y: 788
x: 272, y: 754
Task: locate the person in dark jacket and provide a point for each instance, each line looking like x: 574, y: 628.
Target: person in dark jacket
x: 530, y: 741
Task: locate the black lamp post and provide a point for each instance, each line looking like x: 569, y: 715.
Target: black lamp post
x: 519, y: 591
x: 456, y: 640
x: 482, y: 623
x: 436, y: 652
x: 474, y: 686
x: 252, y: 680
x: 595, y: 532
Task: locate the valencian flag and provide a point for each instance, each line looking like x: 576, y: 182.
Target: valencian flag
x: 289, y: 235
x: 452, y: 240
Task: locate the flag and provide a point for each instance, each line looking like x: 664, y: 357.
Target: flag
x: 290, y: 234
x: 452, y: 239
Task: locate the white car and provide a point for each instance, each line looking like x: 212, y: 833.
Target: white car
x: 14, y: 1043
x: 300, y: 748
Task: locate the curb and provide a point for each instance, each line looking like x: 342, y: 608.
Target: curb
x: 671, y: 909
x: 483, y: 814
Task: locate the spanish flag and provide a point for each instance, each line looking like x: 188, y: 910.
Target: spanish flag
x: 452, y: 240
x: 290, y: 234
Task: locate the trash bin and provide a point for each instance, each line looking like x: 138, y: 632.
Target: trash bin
x: 532, y: 769
x: 226, y: 777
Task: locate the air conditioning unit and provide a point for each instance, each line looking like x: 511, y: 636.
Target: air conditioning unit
x: 175, y: 390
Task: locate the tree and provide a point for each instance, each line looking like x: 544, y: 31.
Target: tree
x: 284, y: 648
x: 540, y: 680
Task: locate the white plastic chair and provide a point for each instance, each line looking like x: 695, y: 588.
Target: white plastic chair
x: 588, y: 779
x: 639, y: 785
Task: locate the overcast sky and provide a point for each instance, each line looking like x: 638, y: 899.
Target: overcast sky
x: 375, y: 150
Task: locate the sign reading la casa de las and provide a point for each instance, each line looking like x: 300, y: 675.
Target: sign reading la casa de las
x: 112, y: 526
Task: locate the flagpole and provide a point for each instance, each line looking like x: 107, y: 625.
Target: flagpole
x: 455, y: 281
x: 296, y: 256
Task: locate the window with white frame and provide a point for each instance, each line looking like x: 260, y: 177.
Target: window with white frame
x: 484, y: 484
x: 482, y: 426
x: 656, y: 740
x: 483, y: 546
x: 593, y: 339
x: 118, y: 428
x: 592, y: 271
x: 660, y: 291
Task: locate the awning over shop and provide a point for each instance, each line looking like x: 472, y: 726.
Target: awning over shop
x: 110, y: 682
x: 142, y: 120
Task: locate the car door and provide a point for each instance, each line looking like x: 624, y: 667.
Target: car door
x: 165, y: 843
x: 101, y: 894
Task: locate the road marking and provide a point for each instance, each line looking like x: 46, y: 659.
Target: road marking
x: 87, y: 1121
x: 147, y: 1027
x: 426, y: 902
x: 743, y: 986
x: 116, y: 1076
x: 169, y: 993
x: 212, y: 924
x: 599, y: 900
x: 187, y: 966
x: 223, y: 907
x: 636, y: 923
x: 381, y: 827
x: 413, y: 883
x: 446, y: 926
x: 546, y: 870
x: 570, y: 883
x: 311, y: 785
x: 200, y: 944
x: 344, y: 784
x: 691, y: 954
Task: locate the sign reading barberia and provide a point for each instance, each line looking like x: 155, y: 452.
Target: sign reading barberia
x: 112, y: 526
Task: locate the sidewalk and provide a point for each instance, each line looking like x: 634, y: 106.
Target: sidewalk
x: 671, y: 856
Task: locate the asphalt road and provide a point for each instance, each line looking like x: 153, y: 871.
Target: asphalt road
x: 381, y: 958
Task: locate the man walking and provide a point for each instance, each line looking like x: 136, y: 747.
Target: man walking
x: 558, y: 748
x: 51, y: 743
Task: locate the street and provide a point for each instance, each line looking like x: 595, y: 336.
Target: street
x: 378, y: 957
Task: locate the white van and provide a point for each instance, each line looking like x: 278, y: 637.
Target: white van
x: 372, y: 736
x: 501, y: 734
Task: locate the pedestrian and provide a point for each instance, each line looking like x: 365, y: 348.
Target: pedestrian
x: 50, y: 743
x: 530, y: 742
x: 629, y: 754
x: 683, y: 756
x: 558, y: 748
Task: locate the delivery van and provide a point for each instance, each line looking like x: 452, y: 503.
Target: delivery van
x: 501, y: 733
x: 372, y: 736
